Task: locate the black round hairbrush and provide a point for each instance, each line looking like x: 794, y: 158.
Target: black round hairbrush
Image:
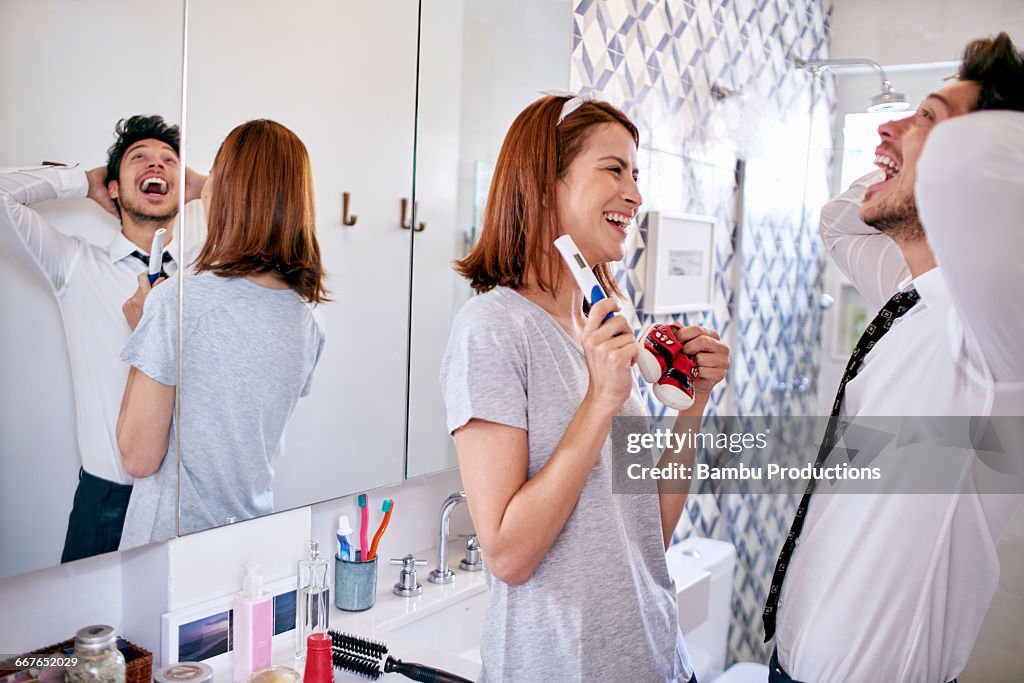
x: 357, y: 664
x: 347, y: 642
x: 370, y: 659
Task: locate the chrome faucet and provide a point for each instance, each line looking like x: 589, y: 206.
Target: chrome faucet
x: 442, y: 574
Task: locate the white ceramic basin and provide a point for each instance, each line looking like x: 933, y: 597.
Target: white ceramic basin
x: 454, y: 629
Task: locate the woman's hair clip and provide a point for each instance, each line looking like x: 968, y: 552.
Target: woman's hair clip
x: 573, y: 103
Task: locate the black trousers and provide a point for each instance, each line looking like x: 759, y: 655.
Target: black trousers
x: 97, y: 517
x: 775, y: 672
x: 777, y: 675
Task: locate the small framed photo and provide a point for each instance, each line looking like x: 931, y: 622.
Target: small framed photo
x: 853, y: 315
x: 680, y: 259
x: 202, y: 632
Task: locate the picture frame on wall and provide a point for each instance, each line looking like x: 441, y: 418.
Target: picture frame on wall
x: 680, y: 253
x: 853, y: 315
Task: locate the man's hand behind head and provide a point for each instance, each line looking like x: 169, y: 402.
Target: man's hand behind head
x: 98, y: 191
x: 194, y: 183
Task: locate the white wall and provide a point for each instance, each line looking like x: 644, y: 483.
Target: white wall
x: 919, y: 31
x: 48, y: 606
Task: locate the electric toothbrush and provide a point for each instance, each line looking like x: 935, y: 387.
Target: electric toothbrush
x: 156, y: 255
x: 581, y: 271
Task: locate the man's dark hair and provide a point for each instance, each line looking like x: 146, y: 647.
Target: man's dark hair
x: 139, y: 127
x: 998, y: 67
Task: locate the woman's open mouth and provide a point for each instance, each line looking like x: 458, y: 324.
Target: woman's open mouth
x: 619, y: 221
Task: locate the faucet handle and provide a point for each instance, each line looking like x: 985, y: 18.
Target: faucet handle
x: 473, y: 561
x: 407, y: 585
x: 409, y: 562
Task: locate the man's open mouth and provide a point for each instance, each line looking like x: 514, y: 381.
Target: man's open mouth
x: 153, y: 185
x: 887, y: 164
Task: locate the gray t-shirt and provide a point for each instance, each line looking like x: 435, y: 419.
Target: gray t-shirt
x: 601, y: 605
x: 248, y: 354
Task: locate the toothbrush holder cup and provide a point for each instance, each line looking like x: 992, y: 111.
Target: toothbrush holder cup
x: 355, y: 583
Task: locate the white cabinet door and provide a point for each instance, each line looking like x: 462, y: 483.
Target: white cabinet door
x: 437, y: 290
x: 342, y: 75
x: 481, y: 63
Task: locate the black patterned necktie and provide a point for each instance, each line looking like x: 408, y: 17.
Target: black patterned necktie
x: 893, y: 309
x: 145, y: 259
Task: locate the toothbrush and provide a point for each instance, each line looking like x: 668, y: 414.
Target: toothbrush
x: 388, y: 507
x: 582, y: 271
x: 156, y: 255
x: 364, y: 526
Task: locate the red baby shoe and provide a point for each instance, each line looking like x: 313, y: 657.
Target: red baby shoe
x: 658, y: 348
x: 663, y: 364
x: 675, y: 389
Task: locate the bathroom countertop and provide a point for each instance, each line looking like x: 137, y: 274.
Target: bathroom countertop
x: 391, y: 612
x: 388, y: 613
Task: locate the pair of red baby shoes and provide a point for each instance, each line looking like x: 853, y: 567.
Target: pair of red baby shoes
x: 663, y: 363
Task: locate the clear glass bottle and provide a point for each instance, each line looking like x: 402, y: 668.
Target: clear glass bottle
x: 99, y: 660
x: 312, y: 599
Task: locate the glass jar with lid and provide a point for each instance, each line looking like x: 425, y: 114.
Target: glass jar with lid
x: 98, y: 659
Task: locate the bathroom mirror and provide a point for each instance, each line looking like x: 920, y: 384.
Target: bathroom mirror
x: 341, y: 75
x: 481, y: 63
x: 69, y: 71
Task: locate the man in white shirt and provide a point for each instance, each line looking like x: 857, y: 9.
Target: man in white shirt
x: 894, y: 587
x: 93, y: 285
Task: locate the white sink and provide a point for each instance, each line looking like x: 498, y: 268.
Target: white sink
x: 443, y: 626
x: 454, y: 629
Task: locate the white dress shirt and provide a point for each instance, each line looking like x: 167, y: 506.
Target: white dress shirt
x: 894, y: 587
x: 90, y: 284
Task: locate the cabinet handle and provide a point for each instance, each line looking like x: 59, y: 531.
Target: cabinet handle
x: 406, y: 222
x: 347, y: 219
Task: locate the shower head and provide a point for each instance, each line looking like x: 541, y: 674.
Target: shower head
x: 887, y: 100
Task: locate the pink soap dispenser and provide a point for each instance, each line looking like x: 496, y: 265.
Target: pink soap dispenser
x: 253, y: 626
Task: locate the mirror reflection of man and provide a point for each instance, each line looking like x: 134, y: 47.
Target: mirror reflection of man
x: 894, y: 587
x: 139, y: 186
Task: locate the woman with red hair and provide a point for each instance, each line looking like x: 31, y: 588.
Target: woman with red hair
x: 250, y: 338
x: 579, y: 587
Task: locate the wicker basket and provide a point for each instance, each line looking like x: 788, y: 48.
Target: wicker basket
x: 138, y: 661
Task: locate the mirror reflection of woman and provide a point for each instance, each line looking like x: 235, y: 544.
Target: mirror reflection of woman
x: 250, y: 340
x: 579, y: 587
